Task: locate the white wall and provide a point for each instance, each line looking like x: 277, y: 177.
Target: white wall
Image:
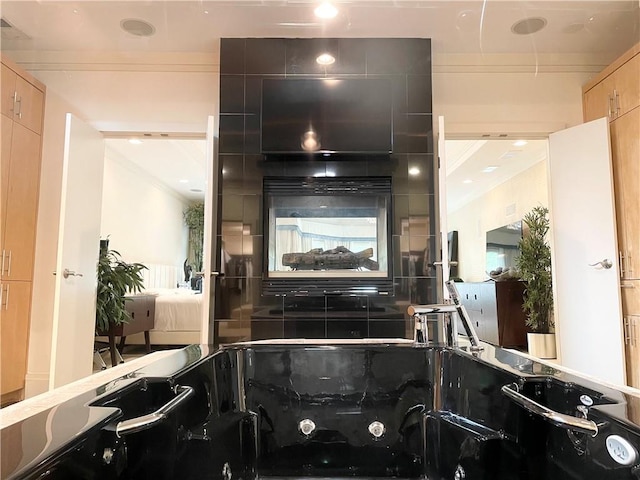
x: 142, y: 218
x: 507, y: 203
x: 498, y: 94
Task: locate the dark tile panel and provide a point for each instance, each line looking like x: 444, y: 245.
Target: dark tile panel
x: 400, y: 132
x: 253, y: 172
x: 232, y: 55
x: 419, y: 94
x: 232, y: 208
x: 252, y: 134
x: 350, y: 55
x: 252, y: 246
x: 400, y: 214
x: 273, y: 168
x: 233, y: 175
x: 401, y: 174
x: 399, y: 55
x: 401, y: 260
x: 422, y: 171
x: 231, y: 135
x: 252, y: 213
x: 419, y: 134
x: 253, y: 92
x: 233, y: 99
x: 267, y: 329
x: 421, y: 206
x: 265, y: 56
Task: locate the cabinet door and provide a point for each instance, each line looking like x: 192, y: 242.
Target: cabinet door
x: 5, y: 151
x: 626, y: 87
x: 22, y: 204
x: 631, y: 314
x: 14, y: 335
x: 8, y: 88
x: 29, y: 105
x: 625, y: 149
x: 596, y: 102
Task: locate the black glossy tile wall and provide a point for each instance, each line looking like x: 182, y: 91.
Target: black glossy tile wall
x: 407, y: 64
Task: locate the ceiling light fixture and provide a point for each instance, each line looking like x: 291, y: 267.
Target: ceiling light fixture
x: 414, y: 171
x: 325, y: 59
x: 137, y: 27
x: 135, y: 141
x: 325, y: 10
x: 489, y: 169
x: 527, y: 26
x: 520, y: 143
x: 467, y: 181
x: 184, y: 180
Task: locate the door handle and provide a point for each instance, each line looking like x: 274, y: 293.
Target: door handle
x: 70, y: 273
x: 606, y: 264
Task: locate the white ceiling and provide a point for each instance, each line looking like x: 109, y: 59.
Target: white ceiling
x: 178, y: 164
x: 469, y: 161
x: 91, y: 29
x: 472, y: 26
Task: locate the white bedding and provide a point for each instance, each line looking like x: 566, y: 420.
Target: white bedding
x: 177, y: 309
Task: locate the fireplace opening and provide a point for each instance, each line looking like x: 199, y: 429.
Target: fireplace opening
x: 327, y: 236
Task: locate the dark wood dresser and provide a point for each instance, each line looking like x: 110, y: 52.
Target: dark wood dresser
x: 495, y: 308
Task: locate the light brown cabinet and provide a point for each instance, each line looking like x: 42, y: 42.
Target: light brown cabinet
x: 631, y: 307
x: 14, y: 331
x: 615, y: 93
x: 22, y: 101
x: 22, y: 106
x: 625, y: 150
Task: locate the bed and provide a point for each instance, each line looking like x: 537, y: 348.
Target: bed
x: 178, y: 310
x: 178, y: 317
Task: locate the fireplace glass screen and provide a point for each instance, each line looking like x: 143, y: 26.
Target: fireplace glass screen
x: 328, y: 229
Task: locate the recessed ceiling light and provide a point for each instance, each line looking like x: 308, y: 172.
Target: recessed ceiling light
x: 325, y: 10
x: 520, y: 143
x: 184, y: 180
x: 325, y: 59
x: 527, y: 26
x: 137, y: 27
x: 467, y: 181
x: 489, y: 169
x: 414, y: 171
x: 135, y: 141
x: 206, y: 12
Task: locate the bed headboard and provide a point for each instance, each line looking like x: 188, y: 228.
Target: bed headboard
x: 162, y: 276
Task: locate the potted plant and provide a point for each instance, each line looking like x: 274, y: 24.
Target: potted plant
x: 194, y: 220
x: 116, y: 278
x: 534, y: 266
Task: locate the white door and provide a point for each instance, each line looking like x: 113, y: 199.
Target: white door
x: 210, y: 245
x: 588, y: 310
x: 442, y: 198
x: 77, y: 257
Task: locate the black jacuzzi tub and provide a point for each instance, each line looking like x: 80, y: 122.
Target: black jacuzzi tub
x: 289, y: 409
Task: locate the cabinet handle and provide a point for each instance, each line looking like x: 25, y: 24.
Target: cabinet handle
x: 2, y: 268
x: 17, y: 101
x: 621, y: 263
x: 625, y: 330
x: 616, y: 103
x: 609, y: 109
x: 5, y: 297
x: 8, y: 265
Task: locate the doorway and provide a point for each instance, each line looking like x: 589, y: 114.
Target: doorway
x: 491, y: 184
x: 149, y: 183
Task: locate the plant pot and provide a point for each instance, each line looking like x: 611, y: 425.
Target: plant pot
x: 542, y: 345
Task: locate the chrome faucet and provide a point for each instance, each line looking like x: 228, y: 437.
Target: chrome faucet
x: 448, y: 324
